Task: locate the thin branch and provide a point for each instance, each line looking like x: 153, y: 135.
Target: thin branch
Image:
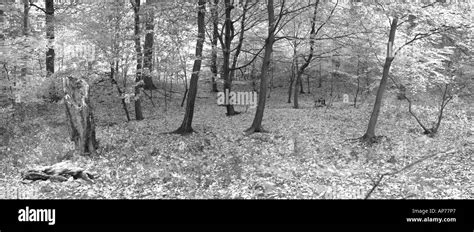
x: 420, y: 36
x: 414, y: 115
x: 377, y: 183
x: 39, y: 8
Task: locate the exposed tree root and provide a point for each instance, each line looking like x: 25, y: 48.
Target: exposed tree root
x: 252, y: 130
x: 370, y: 140
x: 183, y: 131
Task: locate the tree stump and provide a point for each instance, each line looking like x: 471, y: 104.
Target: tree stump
x: 79, y: 112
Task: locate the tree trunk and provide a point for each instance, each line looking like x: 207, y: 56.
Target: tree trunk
x: 50, y: 54
x: 26, y: 10
x: 186, y: 125
x: 184, y: 97
x: 18, y: 106
x: 444, y: 102
x: 309, y: 85
x: 215, y: 35
x: 292, y: 80
x: 294, y: 70
x: 357, y: 92
x: 148, y: 49
x: 369, y: 135
x: 257, y: 121
x: 358, y: 82
x: 296, y: 93
x: 238, y: 49
x: 307, y: 61
x: 272, y: 68
x: 2, y: 20
x: 80, y: 115
x: 301, y: 86
x: 138, y: 50
x: 114, y: 82
x: 320, y: 81
x: 228, y: 34
x: 290, y: 88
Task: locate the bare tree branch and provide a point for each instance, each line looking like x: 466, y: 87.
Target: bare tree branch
x: 377, y: 183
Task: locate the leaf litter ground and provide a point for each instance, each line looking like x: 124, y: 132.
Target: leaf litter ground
x: 307, y: 154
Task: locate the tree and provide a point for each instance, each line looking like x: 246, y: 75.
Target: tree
x: 307, y: 60
x: 26, y: 30
x: 186, y: 125
x: 435, y: 69
x: 50, y: 53
x: 138, y: 50
x: 229, y: 33
x: 214, y: 40
x: 294, y: 64
x: 226, y: 46
x: 420, y: 25
x: 305, y: 40
x: 148, y: 47
x: 269, y: 41
x: 243, y: 28
x: 369, y: 135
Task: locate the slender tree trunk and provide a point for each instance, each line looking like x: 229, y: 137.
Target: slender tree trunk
x: 215, y: 37
x: 114, y: 67
x: 271, y: 79
x: 257, y: 121
x: 50, y: 36
x: 138, y: 50
x: 148, y: 49
x: 425, y: 129
x: 26, y: 29
x: 253, y: 76
x: 171, y: 87
x: 184, y: 97
x: 241, y: 40
x: 357, y: 92
x: 369, y: 135
x: 18, y: 106
x: 358, y: 82
x: 2, y: 20
x: 292, y: 80
x: 301, y: 86
x: 186, y: 125
x: 165, y: 90
x: 4, y: 68
x: 445, y: 101
x: 309, y: 85
x: 50, y: 54
x: 307, y: 61
x: 320, y: 81
x: 296, y: 93
x: 294, y: 70
x: 120, y: 92
x: 228, y: 34
x: 290, y: 89
x: 185, y: 84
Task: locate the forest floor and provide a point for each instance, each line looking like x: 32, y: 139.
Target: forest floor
x: 307, y: 154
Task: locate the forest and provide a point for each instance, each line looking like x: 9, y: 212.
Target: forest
x: 236, y: 99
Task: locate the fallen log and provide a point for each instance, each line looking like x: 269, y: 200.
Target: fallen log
x: 59, y: 172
